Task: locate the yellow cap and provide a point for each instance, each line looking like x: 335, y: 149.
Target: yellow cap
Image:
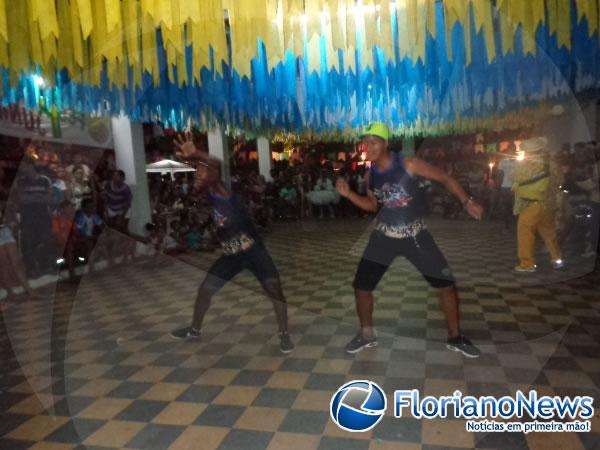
x: 378, y: 129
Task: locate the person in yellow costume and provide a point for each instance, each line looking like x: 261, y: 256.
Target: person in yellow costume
x: 535, y: 184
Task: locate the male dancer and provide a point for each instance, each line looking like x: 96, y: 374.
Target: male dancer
x: 400, y: 231
x: 242, y: 247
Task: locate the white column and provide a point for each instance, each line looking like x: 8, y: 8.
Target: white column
x: 218, y: 148
x: 408, y: 146
x: 130, y: 157
x: 265, y: 162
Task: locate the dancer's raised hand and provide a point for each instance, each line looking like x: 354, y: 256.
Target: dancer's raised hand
x: 185, y: 146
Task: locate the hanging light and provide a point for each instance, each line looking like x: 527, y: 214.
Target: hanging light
x: 38, y: 81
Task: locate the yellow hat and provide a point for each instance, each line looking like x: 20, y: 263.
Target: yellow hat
x: 378, y: 129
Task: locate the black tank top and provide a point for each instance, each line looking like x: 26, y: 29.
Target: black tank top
x: 398, y: 193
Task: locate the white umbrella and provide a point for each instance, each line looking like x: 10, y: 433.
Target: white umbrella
x: 169, y: 166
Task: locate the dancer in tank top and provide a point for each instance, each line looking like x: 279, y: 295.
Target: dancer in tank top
x: 394, y: 192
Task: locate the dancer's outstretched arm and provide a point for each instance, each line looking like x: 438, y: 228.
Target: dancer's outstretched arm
x: 418, y: 167
x: 367, y: 202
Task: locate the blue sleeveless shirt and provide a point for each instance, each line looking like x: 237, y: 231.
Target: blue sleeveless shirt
x: 233, y: 226
x: 398, y: 193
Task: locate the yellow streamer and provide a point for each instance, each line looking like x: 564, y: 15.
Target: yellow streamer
x: 483, y: 19
x: 463, y: 12
x: 367, y: 57
x: 431, y: 17
x: 411, y: 23
x: 76, y: 35
x: 85, y: 16
x: 538, y: 13
x: 20, y: 37
x: 150, y: 58
x: 293, y: 31
x: 37, y: 53
x: 326, y: 32
x: 593, y: 18
x: 132, y: 30
x: 50, y: 52
x: 3, y: 24
x: 80, y: 35
x: 506, y: 28
x: 163, y: 12
x: 273, y: 39
x: 563, y: 32
x: 65, y: 47
x: 529, y: 45
x: 369, y: 27
x: 337, y: 11
x: 589, y: 9
x: 113, y: 14
x: 314, y: 55
x: 240, y: 36
x: 403, y: 37
x: 313, y: 14
x: 421, y: 20
x: 44, y: 12
x: 4, y: 58
x: 451, y: 17
x: 386, y: 33
x: 193, y: 10
x: 200, y: 52
x: 215, y: 31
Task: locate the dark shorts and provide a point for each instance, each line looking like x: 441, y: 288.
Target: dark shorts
x: 421, y: 251
x: 256, y: 259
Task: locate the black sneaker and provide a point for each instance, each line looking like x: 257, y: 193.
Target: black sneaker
x: 185, y: 333
x: 359, y: 342
x: 285, y: 343
x: 463, y: 345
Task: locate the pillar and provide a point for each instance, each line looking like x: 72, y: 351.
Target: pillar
x: 218, y: 148
x: 130, y: 157
x: 265, y: 161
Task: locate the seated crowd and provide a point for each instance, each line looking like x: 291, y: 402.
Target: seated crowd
x: 68, y: 208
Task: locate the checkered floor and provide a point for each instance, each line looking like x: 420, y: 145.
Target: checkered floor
x: 93, y: 367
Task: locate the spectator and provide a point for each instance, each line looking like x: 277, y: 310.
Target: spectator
x: 174, y: 242
x: 88, y: 227
x: 117, y: 199
x: 60, y: 191
x: 193, y: 237
x: 80, y: 187
x: 289, y: 200
x: 63, y: 231
x: 589, y: 183
x: 78, y: 162
x: 324, y: 195
x: 34, y: 200
x: 507, y: 197
x: 303, y: 183
x: 12, y: 271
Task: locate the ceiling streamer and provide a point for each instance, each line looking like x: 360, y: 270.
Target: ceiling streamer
x: 328, y: 66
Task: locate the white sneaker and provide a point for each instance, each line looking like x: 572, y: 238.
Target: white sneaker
x: 558, y: 264
x: 521, y: 269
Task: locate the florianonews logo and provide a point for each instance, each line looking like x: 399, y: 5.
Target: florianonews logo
x: 358, y: 406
